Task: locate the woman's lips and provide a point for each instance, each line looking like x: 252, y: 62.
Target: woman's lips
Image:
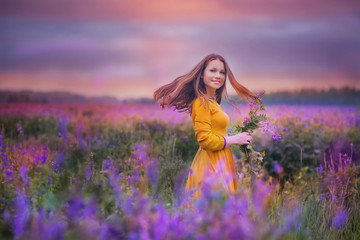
x: 217, y: 82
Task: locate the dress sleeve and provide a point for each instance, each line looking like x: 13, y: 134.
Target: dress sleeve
x: 203, y: 129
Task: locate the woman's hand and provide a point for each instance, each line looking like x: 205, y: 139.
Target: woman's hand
x: 239, y: 139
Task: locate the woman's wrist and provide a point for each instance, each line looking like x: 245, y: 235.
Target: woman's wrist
x: 228, y: 141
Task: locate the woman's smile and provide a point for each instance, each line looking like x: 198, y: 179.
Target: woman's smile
x: 214, y: 76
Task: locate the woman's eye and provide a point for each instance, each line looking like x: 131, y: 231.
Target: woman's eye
x: 212, y: 70
x: 222, y: 72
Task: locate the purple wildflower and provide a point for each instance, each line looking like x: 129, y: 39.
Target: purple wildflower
x: 36, y: 158
x: 186, y: 138
x: 20, y: 130
x: 79, y: 134
x: 8, y: 172
x: 50, y: 179
x: 44, y: 155
x: 140, y: 153
x: 24, y: 174
x: 246, y: 120
x: 152, y: 171
x: 59, y: 160
x: 265, y: 126
x: 22, y: 213
x: 134, y: 178
x: 62, y: 127
x: 75, y: 207
x: 340, y: 219
x: 108, y: 165
x: 320, y: 169
x: 25, y: 152
x: 276, y: 136
x: 259, y: 196
x: 277, y: 167
x: 118, y: 193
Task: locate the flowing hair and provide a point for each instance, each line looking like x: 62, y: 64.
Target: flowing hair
x: 182, y: 92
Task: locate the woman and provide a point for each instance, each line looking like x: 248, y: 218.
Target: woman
x: 199, y: 92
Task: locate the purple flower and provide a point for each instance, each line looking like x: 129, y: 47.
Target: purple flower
x: 22, y: 214
x: 259, y: 196
x: 62, y: 127
x: 152, y: 171
x: 24, y: 174
x: 75, y: 207
x: 186, y: 138
x: 108, y: 165
x: 265, y: 126
x: 134, y: 178
x: 79, y: 134
x: 8, y: 172
x: 140, y: 153
x: 277, y: 167
x: 59, y: 160
x: 36, y: 158
x: 333, y: 198
x: 340, y: 219
x: 276, y: 136
x: 19, y: 128
x: 321, y: 196
x: 320, y: 169
x: 50, y: 180
x: 5, y: 159
x: 246, y: 120
x: 44, y: 155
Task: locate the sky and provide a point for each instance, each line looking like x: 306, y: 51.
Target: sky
x: 128, y: 49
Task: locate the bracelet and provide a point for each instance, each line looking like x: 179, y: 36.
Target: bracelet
x: 224, y: 143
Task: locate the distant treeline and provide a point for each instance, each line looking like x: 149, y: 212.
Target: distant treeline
x: 345, y: 96
x: 342, y: 96
x: 50, y: 97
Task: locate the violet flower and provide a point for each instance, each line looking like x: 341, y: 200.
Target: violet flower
x: 340, y: 219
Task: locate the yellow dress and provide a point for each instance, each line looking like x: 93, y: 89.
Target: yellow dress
x: 212, y: 163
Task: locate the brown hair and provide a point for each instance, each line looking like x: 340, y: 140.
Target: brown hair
x: 182, y: 92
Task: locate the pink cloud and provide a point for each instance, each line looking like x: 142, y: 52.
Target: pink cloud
x: 178, y: 11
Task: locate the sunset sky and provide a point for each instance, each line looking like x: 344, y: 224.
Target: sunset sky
x: 127, y: 49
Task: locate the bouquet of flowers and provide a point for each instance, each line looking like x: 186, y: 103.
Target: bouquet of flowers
x: 253, y: 159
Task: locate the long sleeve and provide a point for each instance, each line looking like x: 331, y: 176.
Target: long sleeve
x: 203, y: 129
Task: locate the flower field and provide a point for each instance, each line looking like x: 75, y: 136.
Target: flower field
x: 92, y: 171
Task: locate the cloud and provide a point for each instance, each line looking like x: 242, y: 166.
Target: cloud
x: 108, y: 43
x: 174, y: 11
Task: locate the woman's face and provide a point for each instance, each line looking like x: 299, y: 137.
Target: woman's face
x: 214, y: 75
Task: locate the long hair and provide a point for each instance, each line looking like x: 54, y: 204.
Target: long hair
x: 182, y: 92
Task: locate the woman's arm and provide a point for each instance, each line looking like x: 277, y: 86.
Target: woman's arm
x: 238, y: 139
x: 203, y: 130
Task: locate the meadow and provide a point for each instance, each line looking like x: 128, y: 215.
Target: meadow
x: 96, y: 171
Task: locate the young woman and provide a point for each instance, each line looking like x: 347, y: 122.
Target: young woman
x: 199, y: 92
